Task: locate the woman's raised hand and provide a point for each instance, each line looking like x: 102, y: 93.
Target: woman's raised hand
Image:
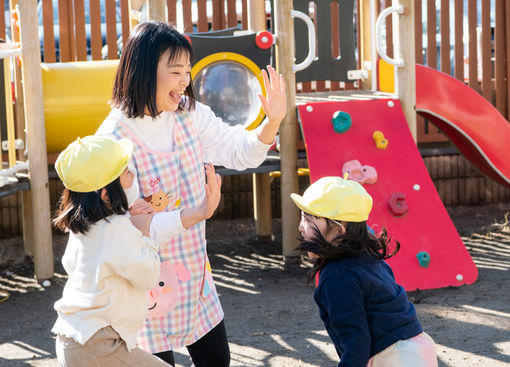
x: 274, y: 103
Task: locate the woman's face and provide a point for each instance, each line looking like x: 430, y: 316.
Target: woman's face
x: 173, y: 76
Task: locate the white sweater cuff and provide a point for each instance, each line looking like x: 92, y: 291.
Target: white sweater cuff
x: 256, y: 145
x: 166, y: 225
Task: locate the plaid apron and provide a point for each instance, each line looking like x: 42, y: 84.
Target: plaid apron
x: 179, y: 178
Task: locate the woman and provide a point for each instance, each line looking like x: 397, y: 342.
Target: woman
x: 173, y: 135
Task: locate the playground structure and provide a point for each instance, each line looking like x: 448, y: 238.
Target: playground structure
x: 36, y: 202
x: 375, y: 133
x: 285, y: 51
x: 406, y: 202
x: 457, y: 110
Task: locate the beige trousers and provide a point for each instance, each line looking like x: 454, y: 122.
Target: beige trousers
x: 104, y: 348
x: 419, y: 351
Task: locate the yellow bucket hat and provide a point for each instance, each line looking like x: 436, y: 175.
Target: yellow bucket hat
x: 93, y: 162
x: 335, y: 198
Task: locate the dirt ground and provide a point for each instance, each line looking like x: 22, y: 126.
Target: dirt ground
x: 270, y: 314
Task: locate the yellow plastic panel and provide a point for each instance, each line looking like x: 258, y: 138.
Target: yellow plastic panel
x: 76, y: 96
x: 386, y: 77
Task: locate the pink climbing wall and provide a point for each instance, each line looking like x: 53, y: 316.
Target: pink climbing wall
x: 426, y: 225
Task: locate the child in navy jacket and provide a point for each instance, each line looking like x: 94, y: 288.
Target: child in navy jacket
x: 366, y: 313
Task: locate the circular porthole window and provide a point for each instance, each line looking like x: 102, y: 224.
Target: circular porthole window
x: 229, y: 83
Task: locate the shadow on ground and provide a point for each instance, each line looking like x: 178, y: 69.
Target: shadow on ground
x: 270, y: 314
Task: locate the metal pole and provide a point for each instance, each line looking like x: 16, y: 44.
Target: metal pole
x: 156, y: 10
x: 405, y: 81
x: 261, y: 181
x: 285, y: 52
x: 135, y: 6
x: 36, y: 140
x: 373, y: 51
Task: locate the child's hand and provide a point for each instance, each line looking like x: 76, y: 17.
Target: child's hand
x: 275, y: 103
x: 143, y: 223
x: 212, y: 192
x: 140, y: 206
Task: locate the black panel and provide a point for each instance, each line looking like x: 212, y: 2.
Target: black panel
x: 205, y: 44
x: 326, y: 67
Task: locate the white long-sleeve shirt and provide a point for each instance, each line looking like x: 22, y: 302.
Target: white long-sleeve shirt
x: 110, y: 269
x: 222, y: 145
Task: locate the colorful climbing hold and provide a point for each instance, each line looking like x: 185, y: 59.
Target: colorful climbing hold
x: 380, y: 141
x: 360, y: 174
x: 397, y: 204
x: 423, y: 258
x: 341, y: 122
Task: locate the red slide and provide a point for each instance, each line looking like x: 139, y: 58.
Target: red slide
x: 474, y: 125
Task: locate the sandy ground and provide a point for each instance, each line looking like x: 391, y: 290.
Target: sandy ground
x: 271, y: 317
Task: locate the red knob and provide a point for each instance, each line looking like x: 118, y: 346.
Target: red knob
x: 264, y: 40
x: 187, y: 37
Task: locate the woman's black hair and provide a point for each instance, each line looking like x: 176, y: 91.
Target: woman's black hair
x: 134, y: 89
x: 78, y: 211
x: 355, y: 242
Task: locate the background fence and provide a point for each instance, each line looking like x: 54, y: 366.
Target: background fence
x: 468, y: 39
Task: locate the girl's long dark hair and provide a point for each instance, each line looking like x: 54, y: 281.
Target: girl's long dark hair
x: 355, y: 242
x: 134, y: 88
x: 78, y: 211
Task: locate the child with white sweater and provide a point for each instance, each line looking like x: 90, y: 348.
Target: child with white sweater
x: 110, y: 258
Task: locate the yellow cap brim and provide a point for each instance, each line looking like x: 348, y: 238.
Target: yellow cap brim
x: 348, y: 217
x: 127, y: 147
x: 298, y: 200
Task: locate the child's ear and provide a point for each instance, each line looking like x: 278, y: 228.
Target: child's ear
x: 104, y: 195
x: 343, y: 228
x: 340, y: 229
